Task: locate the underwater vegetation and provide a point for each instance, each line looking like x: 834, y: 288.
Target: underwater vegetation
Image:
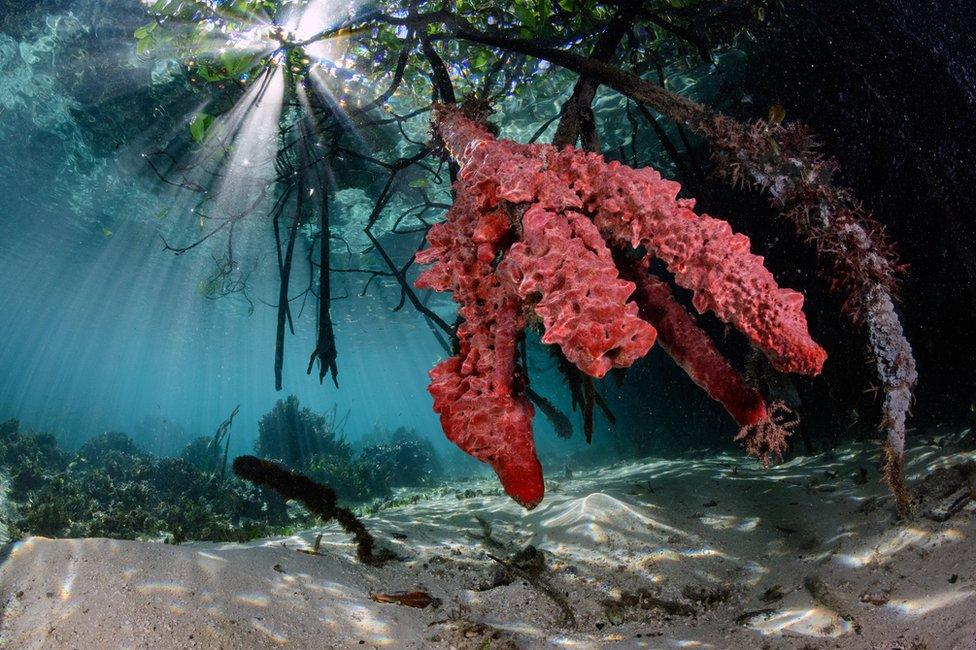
x: 403, y: 457
x: 111, y: 487
x: 312, y: 444
x: 210, y: 454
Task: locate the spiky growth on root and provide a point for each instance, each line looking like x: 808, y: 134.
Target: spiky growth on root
x: 320, y: 500
x: 859, y: 260
x: 783, y: 161
x: 894, y: 477
x: 766, y: 439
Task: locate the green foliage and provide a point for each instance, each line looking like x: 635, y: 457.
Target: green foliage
x: 196, y: 46
x: 200, y: 125
x: 234, y: 64
x: 113, y: 489
x: 402, y: 458
x: 226, y: 66
x: 144, y: 37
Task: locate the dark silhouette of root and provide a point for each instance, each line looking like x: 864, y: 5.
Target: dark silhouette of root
x: 320, y: 499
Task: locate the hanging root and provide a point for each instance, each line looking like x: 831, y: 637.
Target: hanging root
x: 318, y: 498
x: 896, y: 368
x: 767, y: 438
x: 856, y: 256
x: 894, y: 477
x: 560, y: 423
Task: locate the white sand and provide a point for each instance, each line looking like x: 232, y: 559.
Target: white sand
x: 641, y: 526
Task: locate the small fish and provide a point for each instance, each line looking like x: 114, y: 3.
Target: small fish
x: 418, y: 599
x: 106, y: 232
x: 777, y: 114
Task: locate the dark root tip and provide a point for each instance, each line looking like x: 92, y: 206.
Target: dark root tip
x: 894, y: 477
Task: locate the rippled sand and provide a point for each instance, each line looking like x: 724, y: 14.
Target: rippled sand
x: 836, y: 569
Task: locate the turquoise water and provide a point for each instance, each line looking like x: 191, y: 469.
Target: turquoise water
x: 104, y: 330
x: 111, y: 163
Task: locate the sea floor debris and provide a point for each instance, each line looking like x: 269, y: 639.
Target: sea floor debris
x: 630, y: 563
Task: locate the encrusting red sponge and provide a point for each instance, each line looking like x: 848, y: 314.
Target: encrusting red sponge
x: 475, y: 391
x: 527, y: 240
x: 564, y: 272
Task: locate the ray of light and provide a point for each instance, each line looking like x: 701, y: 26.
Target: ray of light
x: 316, y: 16
x: 323, y: 86
x: 249, y: 167
x: 916, y: 607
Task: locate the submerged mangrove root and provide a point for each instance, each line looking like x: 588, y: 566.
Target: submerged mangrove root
x: 318, y: 498
x: 325, y: 351
x: 284, y: 272
x: 582, y: 391
x: 560, y: 423
x: 691, y: 348
x: 765, y: 428
x: 860, y: 263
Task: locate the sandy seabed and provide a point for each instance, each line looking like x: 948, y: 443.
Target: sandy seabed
x: 708, y: 552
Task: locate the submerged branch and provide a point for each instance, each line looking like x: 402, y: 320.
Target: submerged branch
x: 285, y: 277
x: 320, y: 500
